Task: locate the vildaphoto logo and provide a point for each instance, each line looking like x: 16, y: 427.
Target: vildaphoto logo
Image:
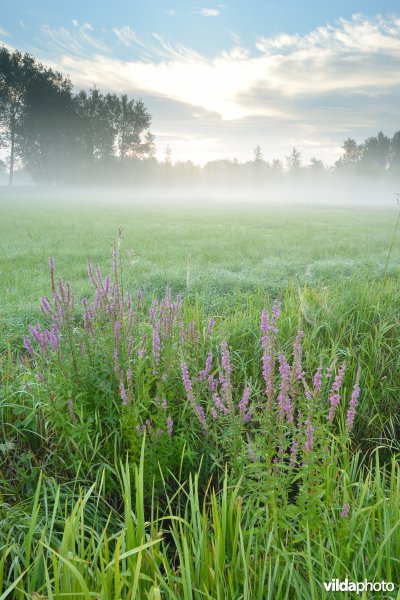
x: 358, y: 586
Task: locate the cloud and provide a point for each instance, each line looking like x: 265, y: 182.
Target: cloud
x: 4, y: 32
x: 209, y: 12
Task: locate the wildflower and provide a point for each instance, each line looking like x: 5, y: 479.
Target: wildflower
x: 204, y: 374
x: 210, y: 327
x: 284, y: 401
x: 28, y: 345
x: 169, y: 425
x: 334, y: 398
x: 245, y: 399
x: 345, y: 511
x: 106, y: 287
x: 202, y: 416
x: 351, y: 413
x: 309, y: 437
x: 45, y: 306
x: 122, y: 390
x: 51, y: 266
x: 156, y: 349
x: 317, y: 381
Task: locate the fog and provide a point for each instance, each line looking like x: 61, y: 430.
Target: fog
x: 349, y: 191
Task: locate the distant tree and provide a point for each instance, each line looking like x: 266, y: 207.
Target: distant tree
x: 395, y: 152
x: 316, y: 165
x: 277, y: 165
x: 375, y: 152
x: 293, y: 161
x: 16, y: 71
x: 258, y: 155
x: 168, y: 156
x: 96, y: 132
x: 149, y: 141
x: 48, y: 128
x: 130, y: 120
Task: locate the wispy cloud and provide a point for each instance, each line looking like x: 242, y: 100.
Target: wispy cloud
x: 209, y: 12
x: 4, y: 32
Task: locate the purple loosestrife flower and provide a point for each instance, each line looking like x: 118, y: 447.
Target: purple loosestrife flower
x: 187, y: 384
x: 284, y: 401
x: 28, y: 345
x: 309, y: 444
x: 210, y: 327
x: 345, y: 511
x: 45, y: 306
x: 115, y: 263
x: 212, y: 383
x: 116, y: 362
x: 169, y: 425
x: 334, y: 398
x: 129, y: 376
x: 245, y: 399
x: 51, y: 267
x: 297, y: 351
x: 275, y: 315
x: 191, y: 329
x: 117, y: 329
x: 247, y: 416
x: 351, y: 412
x: 106, y: 288
x: 153, y: 311
x: 267, y: 343
x: 122, y: 390
x: 225, y: 378
x: 202, y: 416
x: 317, y: 381
x: 156, y: 349
x: 205, y: 373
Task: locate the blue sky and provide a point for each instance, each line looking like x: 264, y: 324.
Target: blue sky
x: 220, y: 78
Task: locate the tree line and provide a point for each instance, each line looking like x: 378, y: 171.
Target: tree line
x: 59, y: 136
x: 55, y: 133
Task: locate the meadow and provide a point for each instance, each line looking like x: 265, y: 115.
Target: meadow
x: 219, y: 417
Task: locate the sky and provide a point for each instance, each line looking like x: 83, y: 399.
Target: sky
x: 221, y: 78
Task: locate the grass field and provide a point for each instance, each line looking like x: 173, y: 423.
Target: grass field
x: 213, y: 249
x: 265, y: 480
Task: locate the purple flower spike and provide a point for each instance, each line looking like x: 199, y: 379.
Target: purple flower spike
x: 28, y: 345
x: 345, y: 511
x: 351, y: 413
x: 169, y: 425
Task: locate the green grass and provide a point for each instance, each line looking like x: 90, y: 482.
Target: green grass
x: 214, y: 249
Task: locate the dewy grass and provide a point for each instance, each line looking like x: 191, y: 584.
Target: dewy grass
x: 161, y: 453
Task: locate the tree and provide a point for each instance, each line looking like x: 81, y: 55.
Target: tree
x: 130, y: 120
x: 293, y: 161
x: 375, y: 152
x: 258, y: 155
x: 16, y: 71
x: 316, y: 164
x: 96, y: 131
x: 395, y: 152
x: 49, y: 129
